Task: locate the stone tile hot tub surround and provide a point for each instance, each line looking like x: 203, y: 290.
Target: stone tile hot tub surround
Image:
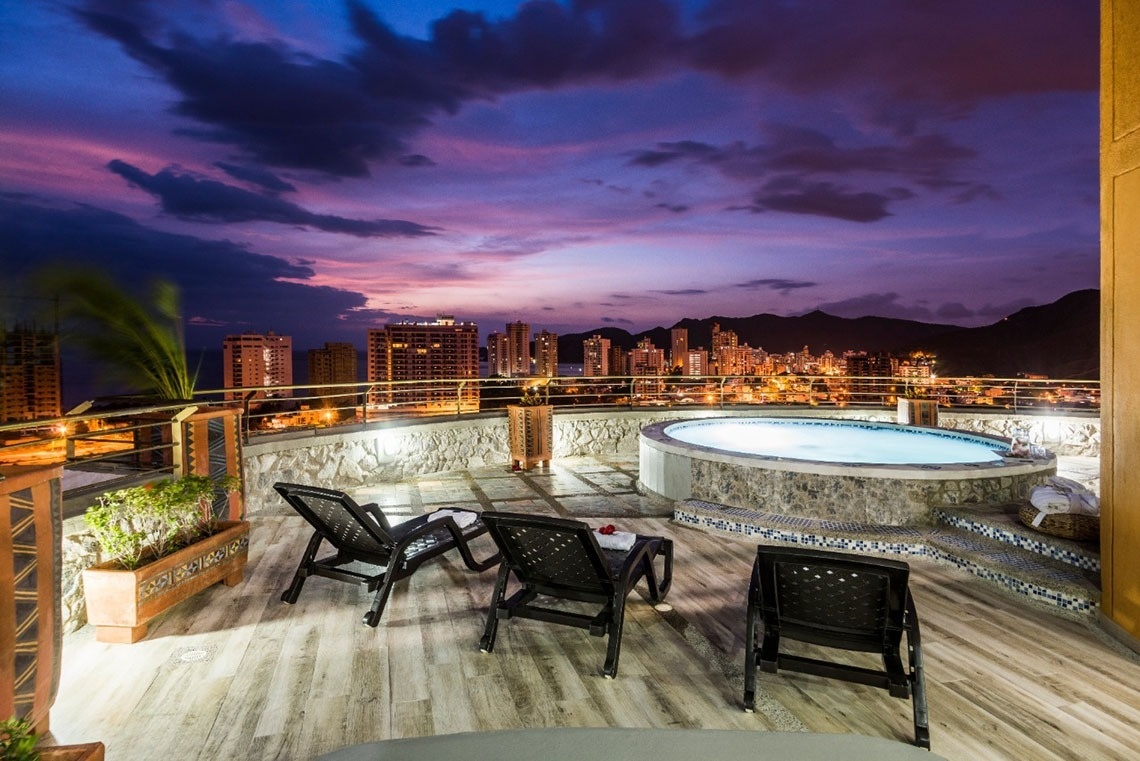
x: 894, y: 495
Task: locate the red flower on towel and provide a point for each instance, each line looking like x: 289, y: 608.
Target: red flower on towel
x: 609, y: 528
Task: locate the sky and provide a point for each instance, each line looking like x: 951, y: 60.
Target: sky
x: 319, y: 168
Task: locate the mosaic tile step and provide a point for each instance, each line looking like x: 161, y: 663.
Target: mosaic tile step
x: 1063, y: 587
x: 1018, y: 570
x: 1001, y: 523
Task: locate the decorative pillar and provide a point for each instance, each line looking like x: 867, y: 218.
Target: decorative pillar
x: 31, y: 519
x: 531, y: 434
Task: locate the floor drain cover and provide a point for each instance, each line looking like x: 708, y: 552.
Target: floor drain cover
x: 200, y: 654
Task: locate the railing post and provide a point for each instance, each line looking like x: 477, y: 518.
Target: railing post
x: 178, y: 441
x: 459, y: 397
x: 246, y: 421
x: 364, y: 404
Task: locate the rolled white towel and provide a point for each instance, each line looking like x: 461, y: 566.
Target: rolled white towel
x: 1049, y: 499
x: 1081, y: 499
x: 463, y: 518
x: 618, y: 540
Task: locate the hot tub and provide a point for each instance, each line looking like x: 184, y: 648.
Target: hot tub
x: 876, y: 473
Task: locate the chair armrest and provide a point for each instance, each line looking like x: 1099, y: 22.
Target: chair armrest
x: 642, y: 548
x: 423, y: 525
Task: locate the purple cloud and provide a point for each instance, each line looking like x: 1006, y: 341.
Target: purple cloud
x: 202, y: 200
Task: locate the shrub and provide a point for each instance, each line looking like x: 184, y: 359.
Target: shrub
x: 144, y: 523
x: 18, y: 741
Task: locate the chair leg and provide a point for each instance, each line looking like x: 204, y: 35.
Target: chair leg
x: 613, y: 647
x: 291, y: 594
x: 918, y: 674
x: 487, y: 643
x: 918, y: 699
x: 372, y: 617
x: 750, y: 661
x: 667, y: 575
x: 658, y: 589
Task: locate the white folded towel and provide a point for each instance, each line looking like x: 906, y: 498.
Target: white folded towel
x: 618, y: 540
x: 1063, y: 495
x: 463, y: 518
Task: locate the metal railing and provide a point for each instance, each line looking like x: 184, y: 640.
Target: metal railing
x: 123, y: 437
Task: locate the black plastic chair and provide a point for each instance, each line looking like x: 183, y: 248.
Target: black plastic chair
x: 362, y: 534
x: 561, y: 559
x: 849, y: 602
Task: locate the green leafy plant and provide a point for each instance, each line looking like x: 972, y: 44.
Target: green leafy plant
x: 143, y: 523
x: 18, y: 741
x: 531, y: 397
x: 136, y: 339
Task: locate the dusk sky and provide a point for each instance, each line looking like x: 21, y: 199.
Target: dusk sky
x: 318, y: 168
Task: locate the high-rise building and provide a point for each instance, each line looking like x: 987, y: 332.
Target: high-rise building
x: 722, y: 339
x: 253, y: 360
x: 546, y: 354
x: 696, y: 362
x: 518, y: 349
x: 646, y: 359
x: 29, y: 374
x: 863, y: 368
x: 734, y: 360
x: 497, y: 361
x: 649, y: 361
x: 333, y: 364
x: 679, y: 352
x: 425, y: 351
x: 619, y: 361
x: 596, y: 355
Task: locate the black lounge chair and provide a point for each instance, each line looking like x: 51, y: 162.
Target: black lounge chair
x: 362, y: 534
x: 561, y: 558
x: 850, y: 602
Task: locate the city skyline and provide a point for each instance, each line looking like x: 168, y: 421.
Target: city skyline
x: 319, y: 171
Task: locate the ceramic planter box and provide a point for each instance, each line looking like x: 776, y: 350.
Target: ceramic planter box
x: 83, y: 752
x: 918, y: 412
x: 120, y: 603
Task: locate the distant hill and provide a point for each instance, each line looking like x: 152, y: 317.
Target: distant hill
x: 817, y: 330
x: 1060, y: 340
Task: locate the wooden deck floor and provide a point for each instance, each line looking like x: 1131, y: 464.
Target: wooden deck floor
x: 235, y: 673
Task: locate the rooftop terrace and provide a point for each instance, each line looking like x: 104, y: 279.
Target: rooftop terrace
x: 234, y: 673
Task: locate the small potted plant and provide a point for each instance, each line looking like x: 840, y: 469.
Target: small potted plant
x: 160, y: 544
x: 18, y: 742
x: 914, y: 408
x: 530, y: 428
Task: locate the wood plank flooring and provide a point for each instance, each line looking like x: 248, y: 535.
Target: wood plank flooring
x: 235, y: 673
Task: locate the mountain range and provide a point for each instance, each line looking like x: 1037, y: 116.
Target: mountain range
x: 1058, y: 340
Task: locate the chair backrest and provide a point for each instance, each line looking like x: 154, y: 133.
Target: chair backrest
x: 830, y: 598
x: 345, y: 524
x: 551, y: 552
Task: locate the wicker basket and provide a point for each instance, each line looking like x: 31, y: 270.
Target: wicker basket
x: 1080, y: 528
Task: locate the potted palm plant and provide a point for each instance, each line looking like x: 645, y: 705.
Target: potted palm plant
x: 160, y: 544
x: 138, y: 341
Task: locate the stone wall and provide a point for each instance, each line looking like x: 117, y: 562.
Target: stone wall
x: 348, y: 459
x: 396, y: 452
x: 885, y: 501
